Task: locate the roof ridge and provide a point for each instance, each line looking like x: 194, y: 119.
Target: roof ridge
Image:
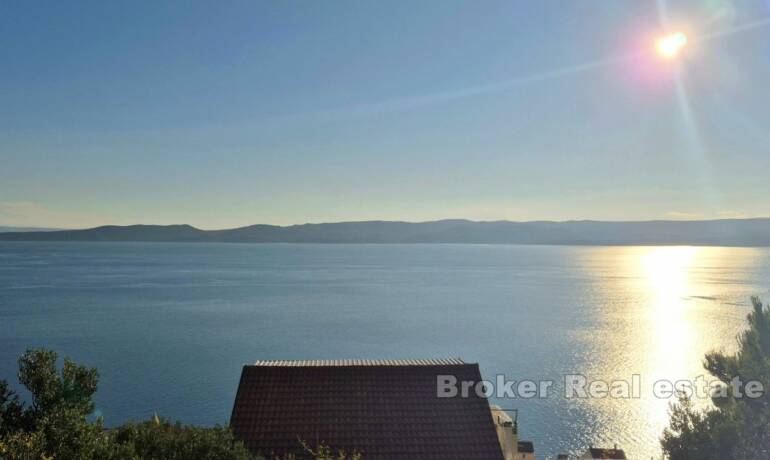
x: 358, y: 362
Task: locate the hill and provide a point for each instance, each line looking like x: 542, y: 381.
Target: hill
x: 25, y: 229
x: 727, y: 232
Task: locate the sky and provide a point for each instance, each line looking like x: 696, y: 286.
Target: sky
x: 224, y: 114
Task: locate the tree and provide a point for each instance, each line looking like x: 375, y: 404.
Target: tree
x: 71, y: 389
x: 11, y: 410
x: 55, y: 424
x: 738, y: 426
x: 56, y: 420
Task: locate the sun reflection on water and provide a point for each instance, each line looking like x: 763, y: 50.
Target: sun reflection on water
x: 656, y: 312
x: 667, y: 272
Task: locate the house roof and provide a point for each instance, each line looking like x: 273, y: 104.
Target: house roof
x: 526, y: 447
x: 358, y: 362
x: 610, y: 454
x: 383, y: 409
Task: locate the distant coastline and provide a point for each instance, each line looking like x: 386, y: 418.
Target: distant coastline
x: 723, y: 232
x: 26, y: 229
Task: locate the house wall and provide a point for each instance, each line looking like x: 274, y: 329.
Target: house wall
x: 509, y: 439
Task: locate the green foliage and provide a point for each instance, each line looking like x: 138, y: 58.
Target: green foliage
x: 67, y: 435
x: 737, y: 427
x: 22, y: 446
x: 55, y: 425
x: 160, y: 439
x: 70, y: 390
x: 324, y: 452
x: 11, y: 410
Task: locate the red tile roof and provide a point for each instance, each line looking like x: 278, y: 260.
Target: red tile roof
x: 357, y: 362
x: 383, y: 409
x: 526, y: 447
x: 609, y: 454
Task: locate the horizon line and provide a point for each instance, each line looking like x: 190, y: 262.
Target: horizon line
x: 34, y: 228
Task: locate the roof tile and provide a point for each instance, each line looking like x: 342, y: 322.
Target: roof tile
x: 384, y: 411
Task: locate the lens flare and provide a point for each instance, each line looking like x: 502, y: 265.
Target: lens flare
x: 670, y: 45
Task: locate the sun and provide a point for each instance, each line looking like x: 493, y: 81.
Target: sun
x: 670, y: 45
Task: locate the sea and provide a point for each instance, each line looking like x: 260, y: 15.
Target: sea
x: 170, y: 325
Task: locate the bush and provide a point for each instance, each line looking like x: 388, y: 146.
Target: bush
x: 163, y: 440
x: 55, y: 424
x: 22, y: 446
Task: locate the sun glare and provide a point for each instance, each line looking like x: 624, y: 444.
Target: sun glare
x: 670, y: 45
x: 667, y: 271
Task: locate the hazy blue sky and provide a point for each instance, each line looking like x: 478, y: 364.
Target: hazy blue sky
x: 222, y: 114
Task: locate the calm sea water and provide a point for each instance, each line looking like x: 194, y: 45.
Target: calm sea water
x: 170, y: 325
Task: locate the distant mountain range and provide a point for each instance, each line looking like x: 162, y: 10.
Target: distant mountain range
x: 727, y: 232
x: 25, y: 229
